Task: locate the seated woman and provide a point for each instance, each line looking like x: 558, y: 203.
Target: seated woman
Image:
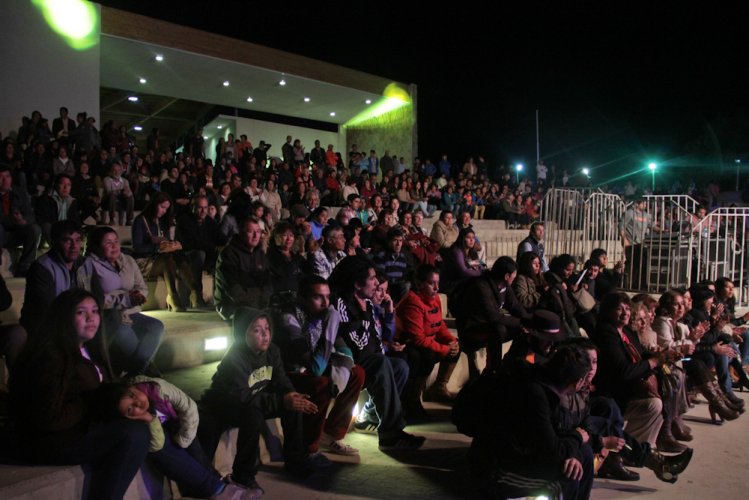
x: 157, y: 254
x: 116, y: 278
x: 670, y: 381
x: 52, y: 405
x: 558, y: 298
x: 461, y: 261
x: 627, y: 370
x: 284, y: 264
x: 673, y: 334
x: 529, y: 286
x: 419, y: 325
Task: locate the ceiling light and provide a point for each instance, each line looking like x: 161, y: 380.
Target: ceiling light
x: 332, y: 113
x: 250, y: 99
x: 159, y: 57
x: 220, y: 127
x: 368, y: 101
x: 137, y: 128
x: 306, y: 99
x: 226, y: 83
x: 142, y: 80
x: 282, y: 82
x: 205, y: 137
x: 133, y: 98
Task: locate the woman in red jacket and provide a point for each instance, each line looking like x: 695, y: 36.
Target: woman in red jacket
x: 420, y: 326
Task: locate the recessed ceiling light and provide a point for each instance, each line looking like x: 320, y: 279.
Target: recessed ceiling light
x: 282, y: 82
x: 332, y: 113
x: 159, y: 57
x: 250, y: 99
x: 220, y: 127
x: 368, y: 101
x: 142, y: 80
x: 306, y: 99
x: 205, y: 137
x: 137, y: 128
x: 133, y: 98
x: 226, y: 83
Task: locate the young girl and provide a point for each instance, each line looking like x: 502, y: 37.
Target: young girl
x: 51, y: 385
x: 172, y: 418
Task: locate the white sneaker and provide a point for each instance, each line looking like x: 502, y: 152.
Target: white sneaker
x: 337, y: 446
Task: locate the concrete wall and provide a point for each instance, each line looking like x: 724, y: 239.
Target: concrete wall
x: 41, y: 71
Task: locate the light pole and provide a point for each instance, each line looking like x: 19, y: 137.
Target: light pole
x: 518, y: 169
x: 738, y: 166
x: 652, y: 167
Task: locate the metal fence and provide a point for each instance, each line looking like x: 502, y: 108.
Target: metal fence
x: 718, y: 249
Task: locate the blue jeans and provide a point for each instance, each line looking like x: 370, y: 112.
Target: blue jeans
x: 135, y: 345
x: 189, y: 467
x: 114, y: 451
x: 385, y: 378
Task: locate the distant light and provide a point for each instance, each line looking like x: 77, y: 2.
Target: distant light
x: 159, y: 57
x: 75, y: 20
x: 216, y: 344
x: 220, y: 127
x: 737, y: 161
x: 133, y: 98
x: 250, y: 99
x: 142, y: 80
x: 282, y: 82
x: 306, y: 99
x: 137, y: 128
x: 519, y: 167
x: 652, y: 166
x: 368, y: 101
x: 586, y: 171
x: 226, y: 83
x: 205, y: 137
x: 332, y: 113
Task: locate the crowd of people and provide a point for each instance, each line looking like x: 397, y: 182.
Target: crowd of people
x: 322, y: 308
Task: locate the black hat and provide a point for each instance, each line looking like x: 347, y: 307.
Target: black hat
x: 299, y: 210
x: 545, y: 325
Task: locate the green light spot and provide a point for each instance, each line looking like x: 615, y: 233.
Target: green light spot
x: 75, y: 20
x: 394, y: 97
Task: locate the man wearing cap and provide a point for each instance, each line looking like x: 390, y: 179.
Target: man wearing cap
x: 544, y: 330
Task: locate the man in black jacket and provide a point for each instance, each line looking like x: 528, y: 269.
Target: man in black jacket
x: 17, y: 223
x: 199, y: 235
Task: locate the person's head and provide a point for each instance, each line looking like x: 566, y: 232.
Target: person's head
x: 395, y: 240
x: 314, y: 294
x: 529, y: 264
x: 615, y: 309
x: 562, y: 265
x: 465, y: 218
x: 466, y: 239
x: 687, y: 295
x: 381, y: 290
x: 67, y: 238
x: 724, y: 289
x: 320, y: 214
x: 544, y: 331
x: 283, y: 236
x: 418, y: 218
x: 702, y: 298
x: 6, y: 178
x: 257, y: 334
x: 567, y: 368
x: 504, y: 270
x: 599, y: 255
x: 593, y: 268
x: 592, y: 351
x: 104, y: 243
x: 387, y: 217
x: 538, y: 230
x: 447, y: 217
x: 639, y: 318
x: 133, y: 403
x: 427, y: 280
x: 160, y: 207
x: 200, y: 207
x: 333, y: 238
x: 650, y: 302
x: 251, y: 232
x: 701, y: 212
x: 406, y: 219
x: 354, y: 277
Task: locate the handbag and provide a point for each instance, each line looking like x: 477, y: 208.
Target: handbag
x: 585, y: 301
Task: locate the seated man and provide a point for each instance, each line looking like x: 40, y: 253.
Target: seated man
x: 199, y: 236
x: 52, y: 273
x: 250, y: 386
x: 17, y: 224
x: 354, y: 280
x: 316, y: 365
x: 419, y: 325
x: 117, y: 192
x: 242, y: 278
x: 323, y: 260
x: 57, y: 206
x: 396, y: 264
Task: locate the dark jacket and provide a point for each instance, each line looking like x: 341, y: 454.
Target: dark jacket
x: 47, y: 211
x: 19, y: 202
x: 194, y: 236
x: 358, y: 328
x: 242, y: 278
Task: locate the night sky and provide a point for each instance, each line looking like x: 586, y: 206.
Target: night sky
x: 617, y: 83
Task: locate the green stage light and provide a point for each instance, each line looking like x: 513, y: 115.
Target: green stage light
x: 76, y: 21
x: 393, y: 97
x: 652, y: 166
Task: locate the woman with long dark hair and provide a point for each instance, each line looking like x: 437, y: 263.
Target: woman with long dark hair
x: 157, y: 254
x: 529, y: 285
x: 51, y: 388
x: 461, y: 261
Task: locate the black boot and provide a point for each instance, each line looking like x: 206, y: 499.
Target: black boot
x: 613, y: 468
x: 668, y: 468
x: 411, y: 400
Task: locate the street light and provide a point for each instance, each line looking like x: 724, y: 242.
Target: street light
x: 652, y: 166
x: 518, y: 169
x: 586, y: 172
